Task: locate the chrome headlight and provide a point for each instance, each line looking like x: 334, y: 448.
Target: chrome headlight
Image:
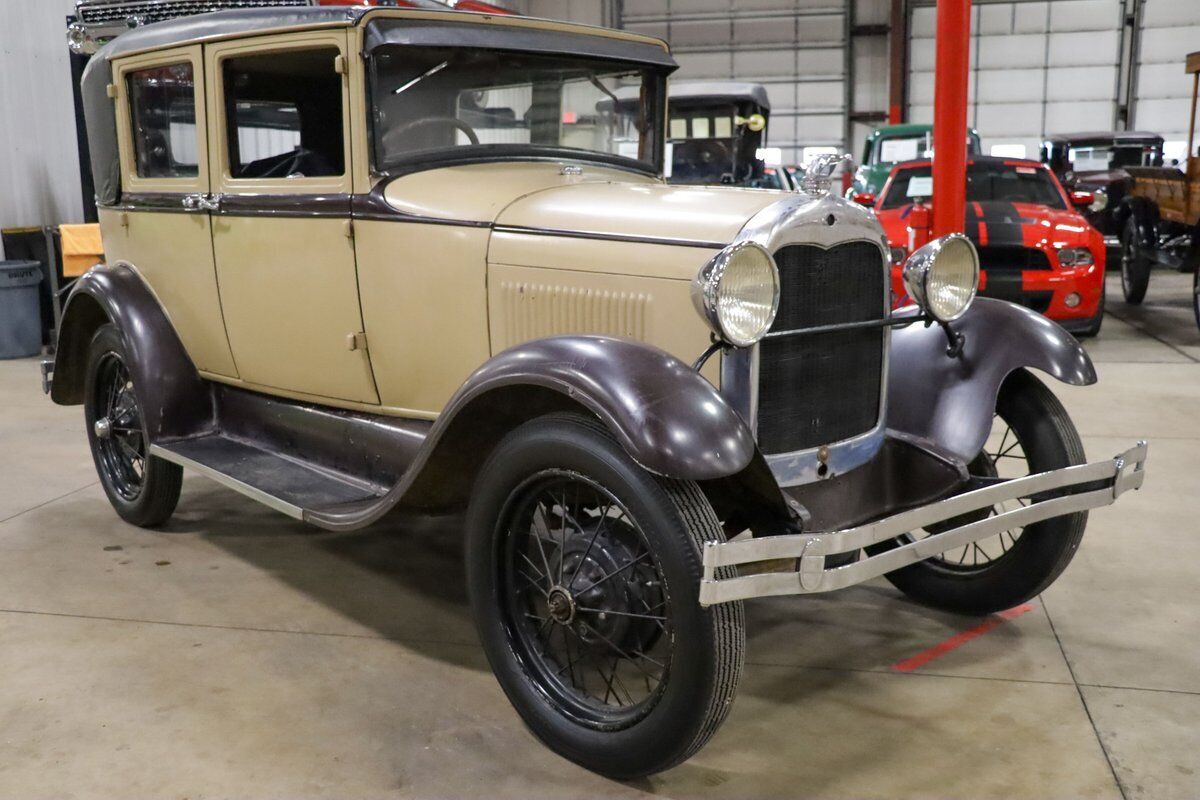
x: 737, y: 293
x: 943, y: 276
x: 1075, y: 257
x: 1099, y: 200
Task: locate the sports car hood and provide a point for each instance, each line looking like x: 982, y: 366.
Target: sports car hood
x: 997, y: 222
x: 599, y: 201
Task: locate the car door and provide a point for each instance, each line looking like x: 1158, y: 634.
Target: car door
x: 159, y: 227
x: 282, y: 236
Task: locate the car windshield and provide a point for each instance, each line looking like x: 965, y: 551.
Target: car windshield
x: 1102, y: 158
x: 438, y: 101
x: 1013, y: 183
x: 895, y: 149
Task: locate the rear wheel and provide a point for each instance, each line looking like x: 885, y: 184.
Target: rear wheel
x: 583, y: 571
x: 1135, y: 266
x: 1031, y: 433
x: 142, y: 488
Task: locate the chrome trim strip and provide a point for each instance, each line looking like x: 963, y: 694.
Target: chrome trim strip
x: 268, y: 500
x: 609, y: 237
x: 1124, y: 472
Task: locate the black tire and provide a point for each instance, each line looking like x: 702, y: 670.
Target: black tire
x: 692, y: 692
x: 143, y: 489
x: 1196, y: 295
x: 1135, y: 267
x: 1039, y: 553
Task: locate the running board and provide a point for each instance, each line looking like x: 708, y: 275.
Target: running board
x: 272, y: 478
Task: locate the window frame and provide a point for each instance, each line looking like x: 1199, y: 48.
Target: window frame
x: 132, y: 182
x: 219, y: 162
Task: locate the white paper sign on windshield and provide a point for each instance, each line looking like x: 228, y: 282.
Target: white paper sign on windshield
x: 895, y: 150
x: 920, y: 186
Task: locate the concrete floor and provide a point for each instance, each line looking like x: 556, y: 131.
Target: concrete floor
x: 238, y: 653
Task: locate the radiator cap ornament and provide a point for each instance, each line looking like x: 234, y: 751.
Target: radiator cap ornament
x: 818, y: 175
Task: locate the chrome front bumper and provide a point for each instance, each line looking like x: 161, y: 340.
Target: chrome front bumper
x: 1075, y: 490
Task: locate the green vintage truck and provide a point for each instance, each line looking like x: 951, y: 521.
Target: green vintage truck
x: 891, y: 144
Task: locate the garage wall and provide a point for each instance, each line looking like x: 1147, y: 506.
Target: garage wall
x: 39, y: 165
x: 796, y: 48
x: 1036, y: 68
x: 1163, y: 95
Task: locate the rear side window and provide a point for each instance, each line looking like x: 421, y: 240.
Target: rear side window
x: 284, y: 113
x: 162, y: 101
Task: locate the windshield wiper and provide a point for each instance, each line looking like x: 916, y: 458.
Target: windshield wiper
x: 422, y: 76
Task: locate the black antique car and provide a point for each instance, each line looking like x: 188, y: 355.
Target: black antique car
x: 1096, y: 162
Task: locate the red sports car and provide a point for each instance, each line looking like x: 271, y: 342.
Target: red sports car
x: 1035, y: 247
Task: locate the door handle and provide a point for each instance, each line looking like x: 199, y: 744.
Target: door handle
x: 201, y: 202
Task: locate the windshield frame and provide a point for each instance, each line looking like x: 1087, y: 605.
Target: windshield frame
x: 431, y: 158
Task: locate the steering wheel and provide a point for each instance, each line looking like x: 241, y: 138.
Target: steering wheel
x: 390, y: 137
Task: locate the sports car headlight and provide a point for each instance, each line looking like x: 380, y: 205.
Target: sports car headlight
x: 1075, y: 257
x: 943, y: 276
x: 737, y: 293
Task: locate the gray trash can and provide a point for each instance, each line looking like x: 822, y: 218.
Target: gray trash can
x: 20, y: 311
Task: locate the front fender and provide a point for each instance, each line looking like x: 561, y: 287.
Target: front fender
x: 175, y: 401
x: 949, y: 402
x: 664, y: 414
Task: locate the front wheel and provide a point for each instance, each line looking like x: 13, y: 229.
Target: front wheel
x: 143, y: 489
x: 1135, y: 267
x: 583, y: 572
x: 1031, y: 433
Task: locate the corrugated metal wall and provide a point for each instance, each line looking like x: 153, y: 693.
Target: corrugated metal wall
x: 796, y: 48
x: 39, y: 165
x: 1163, y: 93
x: 1036, y: 68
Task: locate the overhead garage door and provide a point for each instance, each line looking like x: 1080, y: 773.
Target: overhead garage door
x: 1036, y: 68
x: 1170, y: 30
x: 796, y: 49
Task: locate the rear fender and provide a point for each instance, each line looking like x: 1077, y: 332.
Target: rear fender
x: 949, y: 402
x: 175, y: 401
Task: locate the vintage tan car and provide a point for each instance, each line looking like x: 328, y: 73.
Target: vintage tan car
x: 368, y: 259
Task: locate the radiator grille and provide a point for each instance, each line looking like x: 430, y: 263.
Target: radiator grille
x: 534, y: 310
x: 148, y: 11
x: 825, y: 387
x: 1008, y: 258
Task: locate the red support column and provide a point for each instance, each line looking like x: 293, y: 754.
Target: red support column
x: 897, y: 61
x: 950, y: 116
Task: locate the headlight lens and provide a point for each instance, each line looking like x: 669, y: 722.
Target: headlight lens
x: 1099, y: 200
x: 1075, y: 257
x: 943, y: 276
x: 737, y: 293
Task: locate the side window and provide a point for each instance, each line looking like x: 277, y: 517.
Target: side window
x: 162, y: 102
x: 284, y: 114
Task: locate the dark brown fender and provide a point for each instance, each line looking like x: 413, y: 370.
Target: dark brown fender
x: 175, y: 400
x: 664, y: 414
x: 949, y: 402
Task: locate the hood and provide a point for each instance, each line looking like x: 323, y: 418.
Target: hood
x: 998, y: 223
x: 598, y: 201
x: 654, y: 212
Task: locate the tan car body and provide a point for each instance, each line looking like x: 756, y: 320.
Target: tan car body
x: 276, y: 303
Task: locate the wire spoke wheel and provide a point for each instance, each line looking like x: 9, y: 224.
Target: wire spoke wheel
x: 586, y: 601
x: 120, y: 441
x: 1002, y: 457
